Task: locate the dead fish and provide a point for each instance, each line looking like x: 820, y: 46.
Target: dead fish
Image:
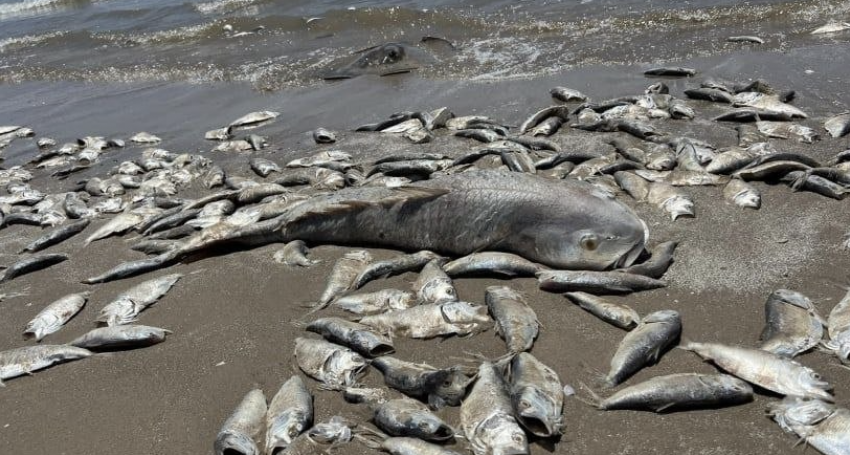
x: 220, y: 134
x: 119, y: 224
x: 56, y: 236
x: 120, y: 337
x: 290, y: 413
x: 433, y: 285
x: 27, y: 360
x: 832, y: 27
x: 368, y: 395
x: 838, y: 125
x: 394, y: 266
x: 684, y: 391
x: 155, y: 246
x: 806, y: 181
x: 730, y: 161
x: 321, y: 438
x: 333, y: 365
x: 745, y: 39
x: 431, y: 320
x: 214, y: 177
x: 407, y: 446
x: 422, y: 168
x: 54, y: 316
x: 377, y: 302
x: 644, y: 345
x: 764, y: 369
x: 437, y: 386
x: 238, y: 145
x: 839, y: 330
x: 407, y: 417
x: 558, y: 111
x: 785, y: 130
x: 516, y: 322
x: 324, y: 136
x: 567, y: 94
x: 178, y: 218
x: 657, y: 88
x: 671, y: 71
x: 536, y: 394
x: 658, y: 263
x: 252, y: 120
x: 769, y: 170
x: 683, y: 178
x: 492, y: 262
x: 32, y: 264
x: 752, y: 115
x: 621, y: 316
x: 320, y: 159
x: 342, y: 276
x: 294, y: 254
x: 792, y: 325
x: 673, y: 201
x: 817, y: 424
x: 518, y: 161
x: 240, y: 431
x: 361, y: 338
x: 742, y: 194
x: 636, y: 186
x: 768, y: 103
x: 487, y: 417
x: 126, y: 306
x: 595, y: 282
x: 145, y: 138
x: 263, y: 167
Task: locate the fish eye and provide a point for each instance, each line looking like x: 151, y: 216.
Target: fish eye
x: 524, y: 404
x: 517, y: 437
x: 589, y: 242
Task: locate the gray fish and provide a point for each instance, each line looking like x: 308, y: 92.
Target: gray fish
x: 595, y: 282
x: 621, y: 316
x: 710, y: 94
x: 752, y: 115
x: 516, y: 322
x: 263, y: 167
x: 394, y: 266
x: 56, y: 236
x: 27, y: 360
x: 321, y: 438
x: 240, y: 431
x: 488, y: 262
x: 730, y: 161
x: 764, y: 369
x: 547, y: 127
x: 792, y: 324
x: 411, y: 156
x: 660, y: 260
x: 23, y: 218
x: 785, y: 130
x: 518, y: 161
x: 487, y: 417
x: 431, y: 320
x: 745, y: 39
x: 75, y: 207
x: 377, y: 302
x: 422, y: 168
x: 407, y: 417
x: 238, y: 145
x: 671, y: 200
x: 558, y: 111
x: 563, y: 157
x: 838, y: 125
x: 290, y: 413
x: 32, y: 264
x: 567, y: 94
x: 742, y: 194
x: 409, y: 446
x: 480, y: 135
x: 438, y: 386
x: 644, y: 345
x: 535, y: 143
x: 804, y: 180
x: 214, y: 177
x: 342, y: 276
x: 121, y: 337
x: 537, y: 395
x: 769, y: 170
x: 119, y: 224
x: 637, y: 187
x: 294, y: 254
x: 658, y: 87
x: 839, y: 330
x: 333, y: 365
x: 155, y: 246
x: 252, y: 119
x: 749, y: 135
x: 171, y: 221
x: 324, y: 136
x: 54, y: 316
x: 220, y: 134
x: 823, y: 426
x: 361, y: 338
x: 126, y: 307
x: 769, y: 103
x: 320, y: 159
x: 831, y: 27
x: 145, y: 138
x: 671, y: 71
x: 684, y: 391
x: 433, y: 284
x: 368, y: 395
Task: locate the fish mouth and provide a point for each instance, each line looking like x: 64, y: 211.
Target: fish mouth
x: 631, y: 256
x: 381, y: 349
x: 444, y: 433
x: 536, y: 425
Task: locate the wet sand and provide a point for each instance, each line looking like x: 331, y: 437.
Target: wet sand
x: 231, y: 313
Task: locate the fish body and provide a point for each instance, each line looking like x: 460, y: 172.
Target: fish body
x: 240, y: 431
x: 682, y: 391
x: 839, y: 329
x: 127, y: 306
x: 595, y: 282
x: 343, y: 274
x: 621, y: 316
x: 673, y: 201
x: 742, y: 194
x: 290, y: 413
x: 26, y: 360
x: 54, y: 316
x: 660, y: 260
x: 824, y: 426
x: 437, y: 386
x: 394, y: 266
x: 120, y: 337
x: 294, y: 254
x: 431, y: 320
x: 361, y: 338
x: 537, y: 396
x: 333, y: 365
x: 487, y: 417
x: 377, y: 302
x: 56, y: 236
x: 516, y: 322
x: 407, y: 417
x: 838, y: 125
x: 644, y: 345
x: 487, y: 262
x: 32, y: 264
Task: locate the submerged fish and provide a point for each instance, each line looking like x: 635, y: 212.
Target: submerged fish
x: 241, y: 430
x: 26, y: 360
x: 54, y: 316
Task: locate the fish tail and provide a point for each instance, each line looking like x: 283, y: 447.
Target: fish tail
x: 592, y: 400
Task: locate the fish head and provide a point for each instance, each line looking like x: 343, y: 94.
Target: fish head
x: 439, y: 291
x: 538, y: 413
x: 429, y: 424
x: 790, y: 297
x: 450, y: 386
x: 663, y: 316
x: 506, y: 438
x: 232, y: 442
x: 813, y: 385
x: 794, y: 414
x: 335, y: 429
x: 461, y: 312
x: 748, y: 199
x: 733, y: 385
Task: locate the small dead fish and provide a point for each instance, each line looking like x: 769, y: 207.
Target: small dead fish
x: 767, y: 103
x: 323, y: 136
x: 56, y: 236
x: 178, y: 218
x: 290, y: 413
x: 220, y: 134
x: 764, y: 369
x: 679, y: 392
x: 730, y: 161
x: 518, y: 161
x: 145, y: 138
x: 547, y: 127
x: 27, y: 360
x: 252, y: 120
x: 119, y: 224
x: 431, y: 320
x: 816, y: 424
x: 238, y: 145
x: 516, y: 322
x: 487, y: 263
x: 660, y: 260
x: 710, y: 94
x: 832, y: 27
x: 377, y: 302
x: 437, y: 386
x: 361, y: 338
x: 673, y: 201
x: 368, y: 395
x: 745, y: 39
x: 595, y: 282
x: 839, y: 330
x: 333, y: 365
x: 785, y: 130
x: 615, y: 314
x: 792, y: 325
x: 407, y: 417
x: 671, y: 71
x: 126, y: 307
x: 263, y: 167
x: 536, y: 394
x: 342, y: 276
x: 742, y: 194
x: 294, y: 254
x: 637, y: 187
x: 408, y: 446
x: 394, y: 266
x: 321, y: 438
x: 567, y: 95
x: 54, y: 316
x: 644, y: 345
x: 805, y: 181
x: 240, y: 431
x: 838, y: 125
x: 32, y: 264
x: 557, y: 111
x: 487, y: 417
x: 769, y: 170
x: 422, y: 168
x: 480, y: 135
x: 214, y: 177
x: 320, y: 159
x: 121, y: 337
x: 433, y: 285
x: 752, y: 115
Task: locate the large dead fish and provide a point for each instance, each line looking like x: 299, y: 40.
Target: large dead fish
x: 677, y: 392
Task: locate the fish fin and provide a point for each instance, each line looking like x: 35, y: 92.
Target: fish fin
x: 594, y: 400
x: 663, y: 408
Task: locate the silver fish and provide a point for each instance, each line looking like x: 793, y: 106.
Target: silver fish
x: 145, y: 138
x: 361, y: 338
x: 437, y: 386
x: 682, y: 391
x: 621, y: 316
x: 595, y: 282
x: 673, y: 201
x: 24, y: 361
x: 537, y: 395
x: 839, y: 329
x: 792, y: 324
x: 121, y: 337
x: 263, y: 167
x: 433, y: 285
x: 240, y: 431
x: 742, y: 194
x: 253, y: 119
x: 660, y: 260
x: 785, y: 130
x: 567, y: 94
x: 487, y: 417
x: 377, y: 302
x: 516, y: 322
x: 768, y: 103
x: 117, y: 225
x: 290, y: 413
x: 333, y: 365
x: 484, y: 263
x: 342, y: 276
x: 823, y: 426
x: 294, y: 254
x: 394, y: 266
x: 407, y: 417
x: 644, y: 345
x: 838, y: 125
x: 32, y: 264
x: 54, y: 316
x: 127, y: 306
x: 56, y: 236
x: 431, y: 320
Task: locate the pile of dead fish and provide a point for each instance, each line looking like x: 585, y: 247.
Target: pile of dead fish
x: 513, y: 205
